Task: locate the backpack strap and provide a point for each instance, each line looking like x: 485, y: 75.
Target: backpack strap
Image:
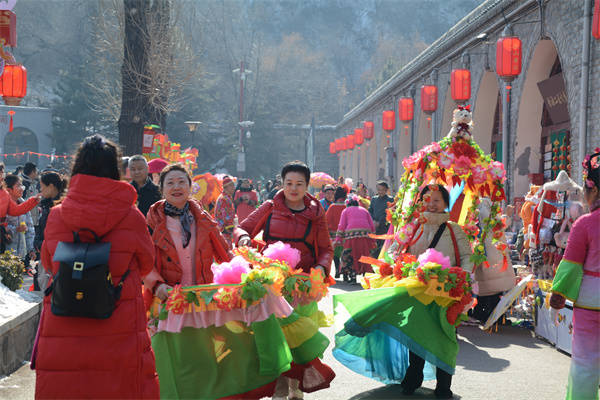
x: 437, y: 236
x: 455, y: 244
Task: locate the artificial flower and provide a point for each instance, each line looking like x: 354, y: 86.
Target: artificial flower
x: 445, y: 161
x: 227, y: 298
x: 432, y: 148
x: 230, y: 272
x: 464, y: 149
x: 176, y: 300
x: 496, y: 170
x: 413, y: 160
x: 462, y: 165
x: 432, y: 256
x: 479, y: 174
x: 283, y: 252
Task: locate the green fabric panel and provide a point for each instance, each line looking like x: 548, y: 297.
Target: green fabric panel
x: 311, y: 349
x: 568, y: 279
x: 307, y: 310
x: 273, y: 351
x: 290, y: 319
x: 425, y: 326
x: 188, y: 368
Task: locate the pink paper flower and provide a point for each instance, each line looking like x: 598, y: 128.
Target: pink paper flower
x: 283, y: 252
x: 445, y: 160
x: 496, y: 170
x: 230, y: 272
x: 432, y: 148
x: 434, y: 256
x: 479, y: 174
x: 412, y: 160
x: 462, y: 165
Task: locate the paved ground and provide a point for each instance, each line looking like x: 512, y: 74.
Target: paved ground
x: 510, y: 364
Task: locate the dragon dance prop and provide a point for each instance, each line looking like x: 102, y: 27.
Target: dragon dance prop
x: 163, y: 148
x: 415, y: 304
x: 237, y: 336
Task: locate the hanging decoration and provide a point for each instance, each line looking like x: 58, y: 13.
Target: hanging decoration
x: 10, y: 124
x: 508, y: 57
x: 358, y: 136
x: 332, y: 149
x: 460, y: 85
x: 148, y: 138
x: 406, y: 110
x: 369, y: 129
x: 349, y: 142
x: 13, y: 84
x: 388, y: 120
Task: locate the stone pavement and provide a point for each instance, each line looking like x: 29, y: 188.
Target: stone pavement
x: 511, y: 364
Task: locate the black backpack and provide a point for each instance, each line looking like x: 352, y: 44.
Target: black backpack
x: 83, y: 286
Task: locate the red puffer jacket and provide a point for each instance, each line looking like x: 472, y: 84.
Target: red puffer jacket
x: 9, y: 207
x: 99, y: 358
x: 305, y: 231
x: 210, y: 245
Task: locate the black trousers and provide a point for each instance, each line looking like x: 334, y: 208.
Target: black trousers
x: 414, y: 375
x: 485, y: 306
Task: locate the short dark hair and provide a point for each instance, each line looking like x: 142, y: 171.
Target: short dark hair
x: 10, y: 180
x: 173, y: 167
x: 383, y: 183
x: 352, y: 203
x: 443, y: 191
x: 54, y: 178
x: 296, y: 166
x: 97, y: 156
x: 340, y: 194
x: 29, y: 168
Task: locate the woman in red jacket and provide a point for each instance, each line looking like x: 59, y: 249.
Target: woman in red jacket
x: 296, y: 217
x: 79, y: 357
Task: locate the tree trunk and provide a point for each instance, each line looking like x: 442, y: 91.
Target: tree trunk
x: 134, y: 77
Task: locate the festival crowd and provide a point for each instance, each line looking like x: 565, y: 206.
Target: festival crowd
x: 136, y: 237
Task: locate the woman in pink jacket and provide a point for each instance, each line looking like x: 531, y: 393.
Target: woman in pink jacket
x: 353, y: 232
x: 578, y: 279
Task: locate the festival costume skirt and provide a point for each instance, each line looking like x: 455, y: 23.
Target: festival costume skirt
x: 354, y: 249
x: 584, y: 374
x: 236, y: 353
x: 378, y: 327
x: 307, y: 345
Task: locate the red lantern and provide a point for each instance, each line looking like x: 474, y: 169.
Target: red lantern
x: 349, y: 142
x: 508, y: 57
x: 358, y: 136
x: 340, y: 144
x: 369, y: 129
x: 332, y: 148
x: 8, y: 28
x: 148, y: 140
x: 460, y: 83
x: 388, y: 120
x: 406, y: 110
x: 596, y: 21
x: 13, y: 84
x: 429, y: 98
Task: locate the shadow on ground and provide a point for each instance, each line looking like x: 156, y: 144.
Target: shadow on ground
x: 395, y: 392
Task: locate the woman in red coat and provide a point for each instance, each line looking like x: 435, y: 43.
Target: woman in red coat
x: 296, y: 217
x: 98, y: 358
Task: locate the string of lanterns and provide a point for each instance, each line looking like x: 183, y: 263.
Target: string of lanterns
x: 21, y: 154
x: 508, y: 67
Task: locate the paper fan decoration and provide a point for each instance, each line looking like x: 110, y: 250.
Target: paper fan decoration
x: 206, y: 188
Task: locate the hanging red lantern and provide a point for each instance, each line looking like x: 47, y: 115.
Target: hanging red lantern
x: 358, y: 136
x: 148, y: 139
x: 13, y: 84
x: 388, y: 120
x: 406, y: 111
x: 339, y: 144
x: 429, y: 98
x: 508, y: 57
x: 8, y: 28
x: 596, y: 21
x: 349, y: 142
x: 460, y: 84
x: 369, y: 129
x: 332, y: 148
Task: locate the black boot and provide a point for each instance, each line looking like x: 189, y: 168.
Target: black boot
x: 413, y: 379
x: 442, y: 386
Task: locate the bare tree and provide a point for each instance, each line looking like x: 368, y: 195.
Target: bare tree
x: 157, y: 63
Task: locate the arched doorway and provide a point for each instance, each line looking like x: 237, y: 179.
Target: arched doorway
x: 543, y: 128
x: 20, y: 140
x: 485, y: 114
x: 446, y: 117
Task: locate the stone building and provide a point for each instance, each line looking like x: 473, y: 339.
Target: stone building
x: 552, y: 100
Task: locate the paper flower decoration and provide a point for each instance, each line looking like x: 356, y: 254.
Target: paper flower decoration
x: 283, y: 252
